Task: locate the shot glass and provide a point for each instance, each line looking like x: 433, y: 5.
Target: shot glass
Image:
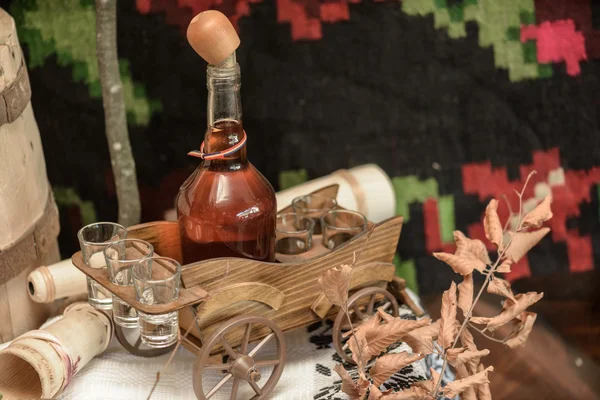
x: 120, y: 258
x: 93, y: 239
x: 313, y: 206
x: 339, y: 226
x: 293, y: 234
x: 156, y: 281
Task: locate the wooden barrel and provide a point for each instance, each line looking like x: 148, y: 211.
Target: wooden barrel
x: 28, y: 215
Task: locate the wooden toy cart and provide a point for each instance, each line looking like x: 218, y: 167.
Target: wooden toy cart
x: 233, y: 302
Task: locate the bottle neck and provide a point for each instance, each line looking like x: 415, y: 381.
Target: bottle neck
x: 224, y: 109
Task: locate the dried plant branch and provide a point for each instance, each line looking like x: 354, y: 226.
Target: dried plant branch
x: 510, y: 212
x: 180, y: 340
x: 122, y: 161
x: 361, y: 367
x: 482, y: 331
x: 488, y: 276
x: 520, y: 194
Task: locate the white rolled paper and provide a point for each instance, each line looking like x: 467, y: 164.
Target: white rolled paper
x: 48, y: 283
x: 366, y: 188
x: 41, y: 363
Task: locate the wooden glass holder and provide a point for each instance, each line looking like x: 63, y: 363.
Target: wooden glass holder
x: 248, y: 301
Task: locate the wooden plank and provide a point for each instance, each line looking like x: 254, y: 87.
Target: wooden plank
x: 163, y: 235
x: 239, y: 292
x: 299, y: 282
x: 187, y: 297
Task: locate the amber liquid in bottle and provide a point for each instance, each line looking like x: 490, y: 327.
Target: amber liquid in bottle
x: 226, y: 208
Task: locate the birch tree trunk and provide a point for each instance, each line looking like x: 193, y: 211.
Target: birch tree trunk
x: 123, y: 164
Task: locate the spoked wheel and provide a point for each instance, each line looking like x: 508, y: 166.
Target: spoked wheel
x: 361, y: 306
x: 132, y: 342
x: 243, y: 362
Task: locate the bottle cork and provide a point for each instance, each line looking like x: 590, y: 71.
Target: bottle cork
x: 212, y: 36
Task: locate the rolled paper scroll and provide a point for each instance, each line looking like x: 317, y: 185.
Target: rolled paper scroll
x: 46, y: 284
x: 40, y: 364
x: 366, y: 189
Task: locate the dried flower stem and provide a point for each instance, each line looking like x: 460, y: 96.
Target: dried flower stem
x: 360, y: 366
x: 180, y: 340
x: 485, y: 334
x: 488, y: 278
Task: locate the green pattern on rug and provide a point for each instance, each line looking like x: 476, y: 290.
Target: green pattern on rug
x: 68, y: 197
x: 68, y: 29
x: 288, y: 179
x: 499, y: 26
x: 408, y: 271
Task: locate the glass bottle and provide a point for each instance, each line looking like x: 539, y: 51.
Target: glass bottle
x: 226, y: 208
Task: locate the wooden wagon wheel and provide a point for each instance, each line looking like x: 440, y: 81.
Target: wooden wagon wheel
x: 136, y: 347
x: 359, y: 314
x: 242, y: 363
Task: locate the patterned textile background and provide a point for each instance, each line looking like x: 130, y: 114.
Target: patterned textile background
x: 457, y: 100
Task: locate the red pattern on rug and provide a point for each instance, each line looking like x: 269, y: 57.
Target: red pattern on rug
x: 557, y: 41
x: 487, y: 182
x: 304, y: 16
x: 579, y: 11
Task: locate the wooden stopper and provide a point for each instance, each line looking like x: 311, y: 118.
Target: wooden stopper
x: 48, y: 283
x: 40, y: 364
x: 212, y: 36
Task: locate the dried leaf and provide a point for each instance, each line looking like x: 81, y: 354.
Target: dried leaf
x: 501, y: 288
x: 468, y: 394
x: 414, y: 393
x: 455, y: 388
x: 379, y: 338
x: 384, y: 315
x: 505, y: 266
x: 387, y: 365
x: 448, y: 317
x: 359, y: 349
x: 470, y: 248
x: 492, y: 225
x: 435, y: 377
x: 540, y: 214
x: 421, y: 340
x: 469, y: 358
x: 335, y: 283
x: 451, y: 354
x: 525, y: 329
x: 428, y: 385
x: 374, y: 393
x: 461, y: 265
x: 363, y: 386
x: 514, y: 308
x: 522, y: 242
x: 467, y: 340
x: 348, y: 385
x: 483, y: 390
x: 462, y: 372
x: 465, y: 294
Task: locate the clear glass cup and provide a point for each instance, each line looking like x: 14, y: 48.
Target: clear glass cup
x: 156, y: 281
x: 120, y: 257
x: 313, y: 206
x: 93, y: 239
x: 293, y: 234
x: 339, y: 226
